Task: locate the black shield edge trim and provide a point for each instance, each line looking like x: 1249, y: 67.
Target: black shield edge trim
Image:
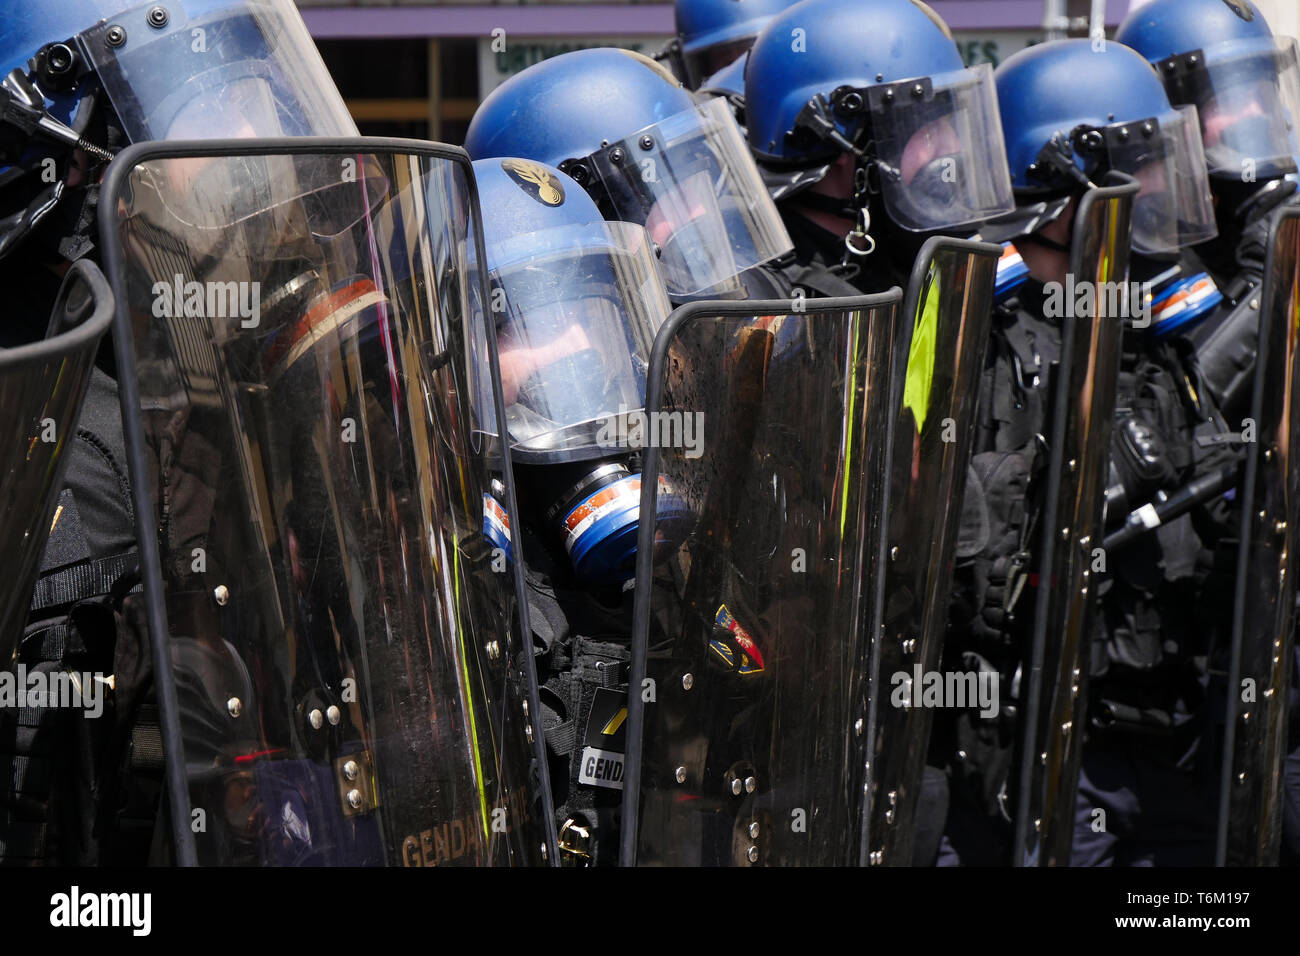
x: 645, y: 531
x: 133, y: 431
x: 1127, y: 186
x: 1266, y: 298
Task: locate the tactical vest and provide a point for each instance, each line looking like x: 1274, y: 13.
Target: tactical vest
x: 993, y: 570
x: 77, y: 789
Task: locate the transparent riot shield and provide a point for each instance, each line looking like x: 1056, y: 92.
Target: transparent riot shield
x: 939, y: 359
x: 42, y: 386
x: 1255, y: 736
x: 1053, y: 685
x: 766, y: 432
x: 344, y: 671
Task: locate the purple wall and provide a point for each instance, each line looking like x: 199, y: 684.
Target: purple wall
x: 615, y: 19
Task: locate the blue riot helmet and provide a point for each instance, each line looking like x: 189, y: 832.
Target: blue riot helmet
x: 1221, y: 57
x: 715, y: 33
x: 1073, y: 111
x: 882, y: 81
x: 576, y: 302
x: 648, y: 154
x: 171, y: 69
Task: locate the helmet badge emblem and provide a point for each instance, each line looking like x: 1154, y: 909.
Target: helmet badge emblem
x: 536, y: 180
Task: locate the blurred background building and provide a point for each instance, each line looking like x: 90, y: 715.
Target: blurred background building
x: 419, y: 68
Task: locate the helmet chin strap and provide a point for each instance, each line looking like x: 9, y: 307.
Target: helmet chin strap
x: 858, y: 242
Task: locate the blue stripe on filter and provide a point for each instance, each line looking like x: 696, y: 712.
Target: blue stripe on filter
x: 1197, y: 296
x: 496, y: 527
x: 1011, y: 275
x: 605, y: 549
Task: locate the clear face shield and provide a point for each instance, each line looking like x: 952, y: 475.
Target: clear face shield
x: 938, y: 148
x: 691, y: 182
x: 208, y: 69
x: 1163, y: 153
x: 1248, y: 99
x: 575, y: 326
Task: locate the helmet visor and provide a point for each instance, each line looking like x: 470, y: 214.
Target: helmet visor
x: 1164, y: 155
x: 210, y: 69
x: 575, y: 326
x: 939, y: 150
x: 1248, y: 98
x: 691, y: 182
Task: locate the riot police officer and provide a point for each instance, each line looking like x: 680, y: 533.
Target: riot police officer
x: 576, y: 301
x: 872, y: 135
x: 1074, y: 112
x: 82, y: 80
x: 1221, y: 57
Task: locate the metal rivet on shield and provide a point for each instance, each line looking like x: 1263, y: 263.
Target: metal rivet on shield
x: 115, y: 36
x: 893, y: 798
x: 961, y: 755
x: 857, y: 727
x: 736, y: 786
x: 680, y: 775
x: 350, y: 770
x: 543, y: 851
x: 332, y: 715
x: 525, y: 708
x: 316, y: 719
x: 493, y: 650
x: 647, y: 142
x: 909, y: 645
x: 1241, y: 777
x: 893, y: 553
x: 157, y: 17
x: 1254, y: 304
x: 752, y: 854
x: 528, y: 732
x: 1042, y: 758
x: 1073, y: 464
x: 918, y: 90
x: 688, y: 681
x: 1263, y: 515
x: 1065, y: 728
x: 354, y: 799
x: 889, y: 816
x: 616, y: 155
x: 234, y: 707
x: 1038, y: 826
x: 753, y: 830
x: 1245, y: 717
x: 1279, y: 527
x: 1268, y: 454
x: 750, y: 784
x: 1065, y: 534
x: 221, y: 594
x: 877, y: 857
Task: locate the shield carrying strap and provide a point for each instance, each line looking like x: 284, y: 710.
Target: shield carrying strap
x: 83, y: 580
